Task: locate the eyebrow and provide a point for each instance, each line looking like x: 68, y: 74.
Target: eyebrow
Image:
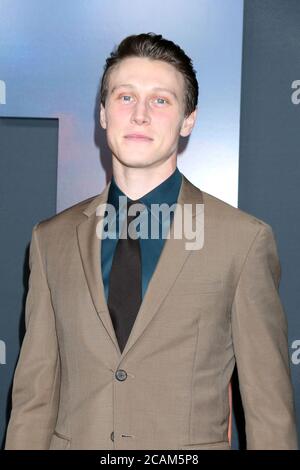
x: 157, y: 88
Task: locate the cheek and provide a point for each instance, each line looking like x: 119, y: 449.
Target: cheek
x: 167, y: 118
x: 117, y: 116
x: 166, y: 124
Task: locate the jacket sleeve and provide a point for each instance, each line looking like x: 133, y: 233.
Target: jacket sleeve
x: 36, y: 382
x: 259, y: 331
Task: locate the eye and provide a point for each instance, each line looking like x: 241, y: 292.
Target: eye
x: 125, y: 96
x: 162, y: 99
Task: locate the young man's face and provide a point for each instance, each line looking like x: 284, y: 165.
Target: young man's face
x: 145, y: 97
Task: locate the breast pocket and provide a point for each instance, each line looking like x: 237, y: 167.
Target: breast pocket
x: 196, y: 285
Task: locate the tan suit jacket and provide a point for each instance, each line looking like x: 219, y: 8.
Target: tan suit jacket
x: 203, y: 311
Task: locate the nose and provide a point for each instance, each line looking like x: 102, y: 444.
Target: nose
x: 140, y: 114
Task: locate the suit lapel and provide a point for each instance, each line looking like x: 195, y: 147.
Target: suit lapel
x: 172, y: 259
x: 90, y: 252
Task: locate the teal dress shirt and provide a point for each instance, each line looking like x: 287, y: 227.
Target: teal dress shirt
x: 166, y: 192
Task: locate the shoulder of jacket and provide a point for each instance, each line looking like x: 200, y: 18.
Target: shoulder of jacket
x: 227, y: 213
x: 69, y: 216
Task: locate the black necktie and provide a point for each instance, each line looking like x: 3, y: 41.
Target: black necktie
x: 125, y: 283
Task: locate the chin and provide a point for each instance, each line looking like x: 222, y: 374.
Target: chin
x: 137, y: 162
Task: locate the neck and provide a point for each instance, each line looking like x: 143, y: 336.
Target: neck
x: 135, y: 182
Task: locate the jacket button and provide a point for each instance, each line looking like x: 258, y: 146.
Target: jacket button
x: 112, y: 436
x: 121, y: 374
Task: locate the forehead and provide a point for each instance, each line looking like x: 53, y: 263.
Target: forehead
x: 145, y: 73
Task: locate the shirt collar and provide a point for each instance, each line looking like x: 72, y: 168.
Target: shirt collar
x: 166, y: 192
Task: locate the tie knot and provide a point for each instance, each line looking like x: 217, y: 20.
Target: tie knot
x: 137, y: 209
x: 130, y: 215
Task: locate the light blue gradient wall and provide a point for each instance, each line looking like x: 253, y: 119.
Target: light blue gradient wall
x: 52, y: 58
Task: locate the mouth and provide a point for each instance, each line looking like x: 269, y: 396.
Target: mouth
x: 137, y: 138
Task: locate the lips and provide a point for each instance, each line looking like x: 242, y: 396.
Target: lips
x: 137, y: 137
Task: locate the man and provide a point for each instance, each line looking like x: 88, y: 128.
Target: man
x: 131, y: 342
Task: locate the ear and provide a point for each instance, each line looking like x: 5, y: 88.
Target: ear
x: 188, y: 124
x: 102, y: 116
